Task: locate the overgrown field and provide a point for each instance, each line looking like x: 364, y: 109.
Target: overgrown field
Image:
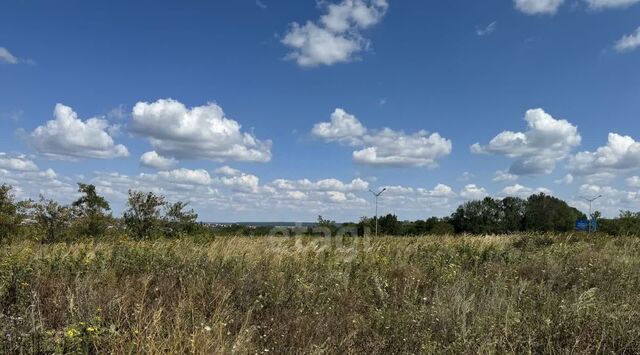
x: 499, y: 294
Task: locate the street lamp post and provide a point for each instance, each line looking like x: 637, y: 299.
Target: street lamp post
x: 376, y: 197
x: 590, y: 200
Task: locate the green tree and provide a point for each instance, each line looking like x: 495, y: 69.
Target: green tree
x: 52, y: 218
x: 91, y: 210
x: 513, y: 212
x: 388, y: 225
x: 478, y: 217
x: 9, y: 216
x: 142, y: 217
x: 330, y: 225
x: 178, y: 220
x: 549, y: 214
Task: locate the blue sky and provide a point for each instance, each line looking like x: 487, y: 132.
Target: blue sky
x: 274, y: 110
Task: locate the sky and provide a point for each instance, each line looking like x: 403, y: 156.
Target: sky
x: 265, y: 110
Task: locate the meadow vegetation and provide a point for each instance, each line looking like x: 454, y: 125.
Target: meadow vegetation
x: 516, y: 294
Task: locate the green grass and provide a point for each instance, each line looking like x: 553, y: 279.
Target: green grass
x: 499, y: 294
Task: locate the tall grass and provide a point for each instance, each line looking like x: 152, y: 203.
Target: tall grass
x: 499, y: 294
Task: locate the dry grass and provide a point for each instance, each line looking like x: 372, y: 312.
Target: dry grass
x: 494, y: 294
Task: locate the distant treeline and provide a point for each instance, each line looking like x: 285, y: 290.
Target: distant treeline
x: 149, y: 215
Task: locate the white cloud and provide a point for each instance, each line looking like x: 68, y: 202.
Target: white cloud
x: 441, y: 190
x: 68, y: 136
x: 566, y: 180
x: 336, y: 37
x: 343, y: 127
x: 241, y: 182
x: 385, y: 147
x: 487, y: 30
x: 504, y: 176
x: 612, y: 201
x: 202, y: 132
x: 628, y: 42
x: 538, y: 7
x: 31, y: 184
x: 321, y: 185
x: 19, y: 163
x: 227, y: 171
x: 186, y: 176
x: 518, y: 190
x: 620, y: 153
x: 633, y: 181
x: 603, y: 4
x: 473, y: 192
x: 537, y: 150
x: 154, y: 160
x: 394, y: 148
x: 7, y: 57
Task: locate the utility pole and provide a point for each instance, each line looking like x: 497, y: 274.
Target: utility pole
x: 376, y: 197
x: 590, y: 200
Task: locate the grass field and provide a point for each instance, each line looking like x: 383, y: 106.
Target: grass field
x: 497, y: 294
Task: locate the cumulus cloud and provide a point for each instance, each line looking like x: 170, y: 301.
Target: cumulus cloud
x: 19, y: 163
x: 154, y: 160
x: 32, y: 183
x: 603, y: 4
x: 473, y: 192
x: 7, y: 57
x: 231, y: 189
x: 537, y: 150
x: 504, y: 176
x: 202, y: 132
x: 620, y: 153
x: 342, y: 127
x: 384, y: 147
x: 628, y: 42
x: 240, y: 181
x: 518, y: 190
x: 566, y: 180
x: 228, y: 171
x: 321, y: 185
x: 68, y: 136
x: 612, y: 201
x: 186, y: 176
x: 337, y: 36
x: 633, y: 181
x: 538, y: 7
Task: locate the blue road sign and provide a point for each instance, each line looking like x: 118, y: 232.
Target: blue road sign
x: 583, y: 225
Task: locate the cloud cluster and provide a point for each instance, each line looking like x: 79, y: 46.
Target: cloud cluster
x: 67, y: 136
x: 633, y: 181
x: 227, y: 188
x: 538, y: 7
x: 551, y: 7
x: 620, y: 153
x: 19, y: 163
x: 547, y: 141
x: 384, y: 147
x: 473, y: 192
x: 504, y: 176
x: 605, y: 4
x: 336, y: 37
x: 202, y: 132
x: 32, y: 183
x: 154, y: 160
x: 521, y: 191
